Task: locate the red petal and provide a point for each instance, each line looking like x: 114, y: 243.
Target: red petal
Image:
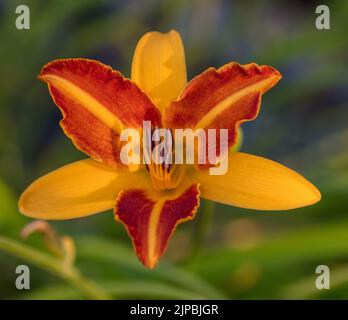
x: 97, y: 102
x: 150, y: 222
x: 222, y: 99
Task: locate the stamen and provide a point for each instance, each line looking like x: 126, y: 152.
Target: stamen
x: 164, y: 174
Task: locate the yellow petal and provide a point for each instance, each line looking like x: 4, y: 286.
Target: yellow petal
x: 159, y: 66
x: 257, y: 183
x: 78, y: 189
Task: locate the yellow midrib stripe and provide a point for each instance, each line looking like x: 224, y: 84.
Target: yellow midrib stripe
x: 152, y: 230
x: 86, y: 100
x: 221, y: 106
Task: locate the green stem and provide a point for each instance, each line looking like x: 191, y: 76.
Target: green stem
x: 202, y: 227
x: 55, y: 266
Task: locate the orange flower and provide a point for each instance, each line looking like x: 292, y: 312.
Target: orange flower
x: 98, y: 102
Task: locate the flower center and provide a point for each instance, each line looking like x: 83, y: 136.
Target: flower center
x: 165, y: 175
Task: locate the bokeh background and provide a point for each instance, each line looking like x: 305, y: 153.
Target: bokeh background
x: 225, y: 252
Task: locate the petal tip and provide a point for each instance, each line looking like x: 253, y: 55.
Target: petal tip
x: 151, y: 264
x: 23, y: 204
x: 316, y: 195
x: 309, y: 193
x: 20, y: 204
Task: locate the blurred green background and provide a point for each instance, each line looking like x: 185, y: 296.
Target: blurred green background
x: 232, y: 253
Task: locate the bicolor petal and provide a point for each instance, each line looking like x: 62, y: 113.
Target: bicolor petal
x: 257, y: 183
x: 97, y: 102
x: 159, y: 66
x: 76, y: 190
x: 151, y: 217
x: 221, y: 99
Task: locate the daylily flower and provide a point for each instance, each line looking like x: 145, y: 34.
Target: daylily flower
x: 97, y: 102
